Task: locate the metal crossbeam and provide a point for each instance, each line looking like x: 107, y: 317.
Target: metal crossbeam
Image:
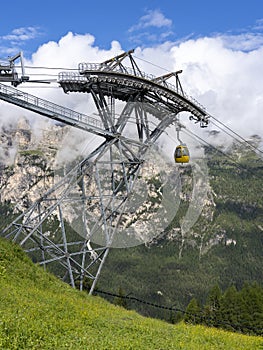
x: 100, y: 187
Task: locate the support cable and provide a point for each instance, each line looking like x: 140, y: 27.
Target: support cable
x: 201, y: 317
x: 235, y: 133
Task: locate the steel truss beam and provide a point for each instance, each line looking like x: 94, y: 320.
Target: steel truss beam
x: 77, y: 221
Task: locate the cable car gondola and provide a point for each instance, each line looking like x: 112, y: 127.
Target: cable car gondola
x: 181, y: 154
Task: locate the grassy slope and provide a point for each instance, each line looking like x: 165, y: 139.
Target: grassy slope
x: 37, y: 311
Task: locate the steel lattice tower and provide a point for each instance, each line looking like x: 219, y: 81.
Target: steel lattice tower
x: 100, y: 186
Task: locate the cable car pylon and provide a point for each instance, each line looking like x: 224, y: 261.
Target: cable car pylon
x: 71, y: 228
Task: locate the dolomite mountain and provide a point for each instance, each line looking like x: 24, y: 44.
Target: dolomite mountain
x: 25, y: 161
x: 27, y: 172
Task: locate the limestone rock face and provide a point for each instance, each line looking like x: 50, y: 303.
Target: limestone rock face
x: 25, y: 161
x: 29, y: 154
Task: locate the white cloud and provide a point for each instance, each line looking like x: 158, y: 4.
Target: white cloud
x: 68, y: 52
x: 153, y: 18
x: 259, y: 25
x: 228, y: 82
x: 14, y: 41
x: 243, y: 42
x: 153, y: 27
x: 21, y: 34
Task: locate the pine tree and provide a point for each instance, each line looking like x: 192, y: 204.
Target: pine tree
x: 193, y: 312
x: 252, y: 309
x: 212, y: 306
x: 230, y: 310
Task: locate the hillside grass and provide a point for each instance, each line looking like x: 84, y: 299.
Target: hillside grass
x: 38, y: 311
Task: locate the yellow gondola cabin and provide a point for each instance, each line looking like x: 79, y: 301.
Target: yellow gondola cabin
x: 181, y: 154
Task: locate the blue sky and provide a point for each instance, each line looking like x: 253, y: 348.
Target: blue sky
x: 25, y: 25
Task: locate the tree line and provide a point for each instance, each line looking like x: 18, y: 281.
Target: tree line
x: 233, y: 310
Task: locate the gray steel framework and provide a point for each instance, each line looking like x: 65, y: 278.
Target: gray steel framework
x: 98, y: 189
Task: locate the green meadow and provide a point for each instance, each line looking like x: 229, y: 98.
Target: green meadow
x: 38, y: 311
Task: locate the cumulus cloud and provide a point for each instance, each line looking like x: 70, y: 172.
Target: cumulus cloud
x: 227, y: 81
x: 65, y: 54
x: 243, y: 42
x: 216, y: 71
